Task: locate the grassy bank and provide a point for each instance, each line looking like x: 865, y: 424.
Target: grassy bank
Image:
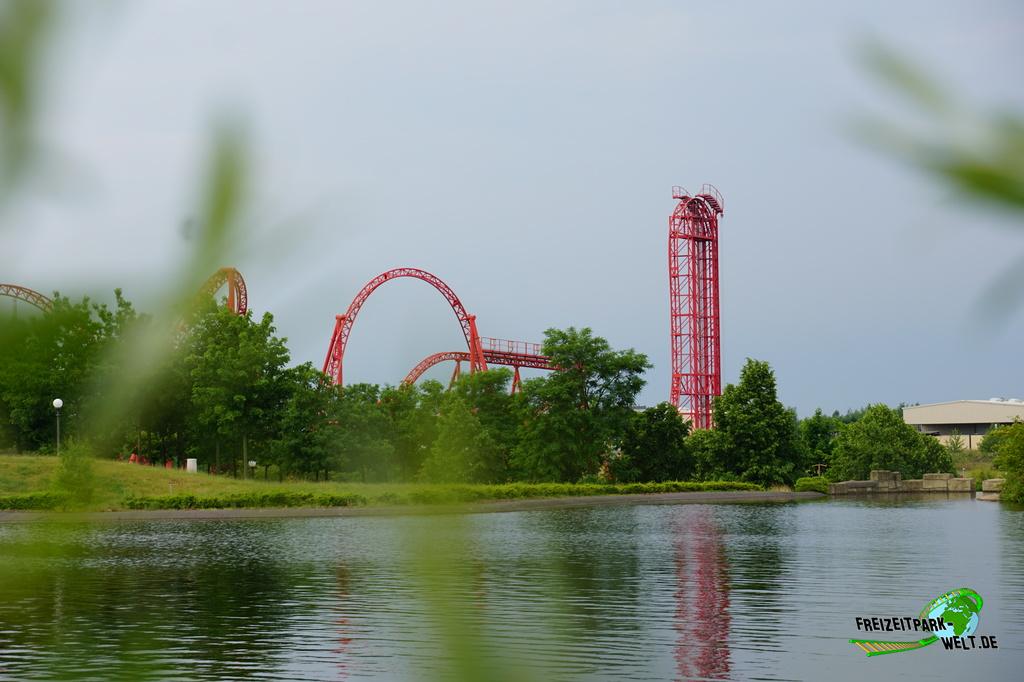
x: 26, y: 482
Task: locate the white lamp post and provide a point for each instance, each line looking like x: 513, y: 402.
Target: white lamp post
x: 57, y: 404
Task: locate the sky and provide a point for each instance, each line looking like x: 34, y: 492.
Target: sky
x: 525, y: 153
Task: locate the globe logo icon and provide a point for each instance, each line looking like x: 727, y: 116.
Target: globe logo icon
x: 959, y: 610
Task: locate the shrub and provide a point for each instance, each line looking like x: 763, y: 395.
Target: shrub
x: 251, y: 500
x: 34, y: 501
x: 816, y: 484
x: 75, y: 479
x: 993, y: 439
x: 980, y: 475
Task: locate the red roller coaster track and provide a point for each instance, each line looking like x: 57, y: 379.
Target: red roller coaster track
x: 334, y: 362
x: 515, y: 354
x: 238, y: 296
x: 18, y: 293
x: 693, y: 296
x: 693, y: 300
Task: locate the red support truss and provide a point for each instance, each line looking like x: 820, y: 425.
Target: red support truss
x: 28, y: 295
x: 693, y: 301
x: 334, y: 362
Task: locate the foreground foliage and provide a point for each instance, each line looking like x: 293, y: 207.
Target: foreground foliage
x: 75, y: 481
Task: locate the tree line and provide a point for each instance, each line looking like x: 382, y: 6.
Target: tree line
x: 229, y: 394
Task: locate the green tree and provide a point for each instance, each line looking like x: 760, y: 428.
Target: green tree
x: 761, y: 441
x: 819, y: 433
x: 463, y: 450
x: 882, y: 440
x: 993, y: 439
x: 955, y: 446
x: 307, y: 441
x: 1010, y: 460
x: 851, y: 415
x: 654, y: 447
x: 56, y: 354
x: 487, y: 395
x: 411, y: 418
x: 364, y: 450
x: 708, y: 449
x: 571, y: 418
x: 162, y: 410
x: 237, y: 369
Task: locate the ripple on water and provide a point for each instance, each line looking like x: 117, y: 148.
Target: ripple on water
x: 651, y: 592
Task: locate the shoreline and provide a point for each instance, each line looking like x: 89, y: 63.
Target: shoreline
x: 488, y: 507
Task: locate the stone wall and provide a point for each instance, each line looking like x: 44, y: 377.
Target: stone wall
x: 991, y: 489
x: 883, y: 481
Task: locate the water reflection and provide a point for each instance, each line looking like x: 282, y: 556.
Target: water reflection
x: 702, y: 598
x: 344, y: 623
x: 80, y: 600
x: 759, y: 549
x: 637, y: 593
x: 591, y: 572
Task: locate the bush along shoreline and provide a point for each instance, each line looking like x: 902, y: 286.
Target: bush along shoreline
x: 37, y: 501
x: 425, y: 496
x: 817, y: 484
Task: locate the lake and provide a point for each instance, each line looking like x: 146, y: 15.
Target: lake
x: 689, y: 591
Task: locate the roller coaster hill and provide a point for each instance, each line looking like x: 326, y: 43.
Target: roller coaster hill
x: 237, y: 298
x: 480, y: 351
x: 694, y: 315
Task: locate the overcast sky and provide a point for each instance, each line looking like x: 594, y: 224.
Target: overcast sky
x: 525, y: 153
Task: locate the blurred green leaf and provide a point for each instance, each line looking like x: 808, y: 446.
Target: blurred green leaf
x: 143, y: 354
x: 977, y: 154
x: 222, y: 196
x: 25, y: 27
x: 906, y: 78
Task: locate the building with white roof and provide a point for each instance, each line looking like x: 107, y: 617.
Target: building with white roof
x: 972, y: 419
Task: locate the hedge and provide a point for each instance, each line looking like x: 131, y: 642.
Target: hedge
x: 815, y: 484
x: 415, y: 495
x: 446, y: 494
x: 244, y: 500
x: 34, y: 501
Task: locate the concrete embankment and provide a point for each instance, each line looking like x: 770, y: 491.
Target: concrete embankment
x: 883, y: 481
x: 730, y: 497
x: 991, y: 490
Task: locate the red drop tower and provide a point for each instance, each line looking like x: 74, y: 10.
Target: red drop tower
x: 693, y: 297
